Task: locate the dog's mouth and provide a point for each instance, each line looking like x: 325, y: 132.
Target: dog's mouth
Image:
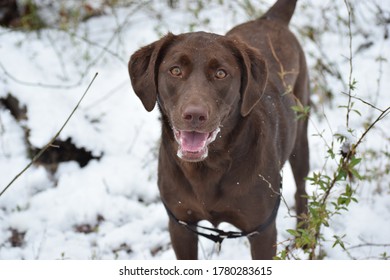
x: 193, y: 145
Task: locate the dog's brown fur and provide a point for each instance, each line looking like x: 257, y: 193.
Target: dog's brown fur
x: 244, y: 84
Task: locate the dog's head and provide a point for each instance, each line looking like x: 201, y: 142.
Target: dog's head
x: 201, y: 81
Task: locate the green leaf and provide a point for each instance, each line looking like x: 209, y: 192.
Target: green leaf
x: 354, y: 162
x: 293, y: 232
x: 357, y: 112
x: 302, y: 111
x: 339, y: 241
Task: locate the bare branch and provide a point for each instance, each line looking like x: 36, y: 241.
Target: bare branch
x: 38, y: 84
x: 50, y: 144
x: 350, y: 81
x: 363, y: 101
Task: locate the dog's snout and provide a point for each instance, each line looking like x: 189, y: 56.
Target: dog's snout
x: 195, y: 114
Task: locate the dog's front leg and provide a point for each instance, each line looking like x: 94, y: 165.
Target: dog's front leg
x: 184, y: 242
x: 263, y: 245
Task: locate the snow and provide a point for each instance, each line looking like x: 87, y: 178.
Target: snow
x: 117, y: 195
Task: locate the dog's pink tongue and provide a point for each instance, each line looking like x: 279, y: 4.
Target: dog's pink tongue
x: 192, y: 141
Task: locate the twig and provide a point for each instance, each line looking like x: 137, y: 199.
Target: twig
x: 283, y: 72
x: 380, y: 117
x: 44, y: 85
x: 2, y: 130
x: 363, y: 101
x: 104, y: 49
x: 350, y: 59
x: 109, y: 94
x: 369, y: 245
x: 37, y: 156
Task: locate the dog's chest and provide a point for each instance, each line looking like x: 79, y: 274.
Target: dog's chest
x: 215, y: 201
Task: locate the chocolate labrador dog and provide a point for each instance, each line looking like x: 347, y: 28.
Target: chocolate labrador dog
x: 227, y: 127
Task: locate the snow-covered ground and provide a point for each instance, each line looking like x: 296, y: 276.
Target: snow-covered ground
x: 110, y: 208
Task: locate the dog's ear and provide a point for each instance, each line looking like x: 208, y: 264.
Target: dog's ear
x: 253, y: 79
x: 143, y: 70
x: 254, y: 74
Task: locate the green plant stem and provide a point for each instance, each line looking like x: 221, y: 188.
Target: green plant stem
x: 350, y: 86
x: 343, y: 162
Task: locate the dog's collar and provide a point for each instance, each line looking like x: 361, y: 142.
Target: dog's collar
x: 220, y: 235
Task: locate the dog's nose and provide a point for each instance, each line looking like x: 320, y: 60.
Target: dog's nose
x: 195, y: 114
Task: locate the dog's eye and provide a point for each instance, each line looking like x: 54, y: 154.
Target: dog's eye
x: 220, y: 74
x: 176, y: 71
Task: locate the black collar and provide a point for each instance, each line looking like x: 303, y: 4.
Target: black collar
x: 220, y: 235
